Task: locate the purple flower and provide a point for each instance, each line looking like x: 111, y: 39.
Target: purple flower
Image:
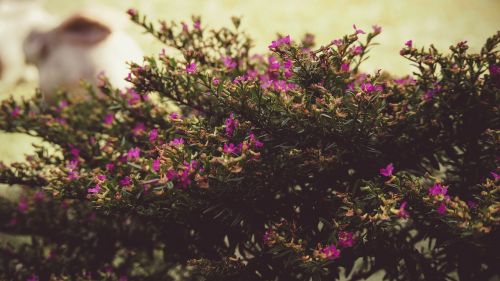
x: 229, y: 63
x: 94, y: 189
x: 331, y: 252
x: 268, y: 236
x: 346, y: 239
x: 22, y: 205
x: 110, y: 167
x: 197, y: 25
x: 356, y: 50
x: 357, y: 30
x: 191, y: 68
x: 273, y: 63
x: 101, y: 177
x: 344, y: 67
x: 174, y: 116
x: 185, y: 27
x: 134, y: 97
x: 231, y: 123
x: 387, y: 171
x: 276, y: 44
x: 255, y: 142
x: 177, y: 142
x: 125, y: 181
x: 153, y: 135
x: 109, y: 118
x: 156, y: 165
x: 215, y: 81
x: 441, y: 209
x: 231, y: 149
x: 134, y: 153
x: 132, y: 12
x: 495, y: 175
x: 337, y: 42
x: 376, y: 29
x: 409, y: 43
x: 33, y: 277
x: 39, y: 196
x: 75, y: 152
x: 138, y: 129
x: 402, y: 213
x: 471, y: 204
x: 171, y: 174
x: 437, y: 189
x: 15, y: 112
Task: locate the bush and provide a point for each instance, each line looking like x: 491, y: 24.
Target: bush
x: 287, y: 166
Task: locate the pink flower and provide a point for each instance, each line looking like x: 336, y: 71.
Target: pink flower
x: 409, y: 43
x: 276, y: 44
x: 231, y: 123
x: 138, y: 129
x: 110, y: 167
x: 191, y: 68
x: 197, y: 25
x: 174, y: 116
x: 344, y: 67
x: 441, y: 209
x: 358, y: 31
x: 402, y: 213
x: 15, y: 112
x: 94, y: 189
x: 376, y: 29
x: 109, y: 118
x: 132, y: 12
x: 39, y: 196
x: 215, y: 81
x: 125, y: 181
x: 153, y: 135
x: 387, y: 171
x: 185, y: 27
x: 229, y: 63
x: 346, y: 239
x: 331, y: 252
x: 33, y: 277
x: 156, y: 165
x: 268, y: 236
x: 22, y: 205
x: 231, y: 149
x: 255, y: 142
x: 134, y: 153
x: 337, y: 42
x: 495, y: 175
x: 101, y: 178
x: 471, y: 204
x: 437, y: 189
x: 177, y: 142
x: 134, y: 97
x: 356, y: 50
x: 273, y: 63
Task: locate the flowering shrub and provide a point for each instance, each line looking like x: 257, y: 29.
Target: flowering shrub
x: 289, y: 165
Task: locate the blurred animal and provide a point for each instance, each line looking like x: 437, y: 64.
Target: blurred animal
x: 17, y: 19
x: 80, y: 48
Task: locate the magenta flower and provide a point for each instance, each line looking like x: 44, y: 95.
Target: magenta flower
x: 255, y: 142
x: 346, y: 239
x: 409, y: 43
x: 132, y: 12
x: 387, y: 171
x: 231, y: 149
x: 125, y: 181
x: 287, y: 64
x: 22, y: 205
x: 229, y: 63
x: 109, y: 119
x: 357, y: 30
x: 356, y: 50
x: 174, y: 116
x: 33, y: 277
x: 437, y: 189
x: 75, y: 152
x: 276, y: 44
x: 177, y: 142
x: 231, y: 123
x: 197, y: 25
x: 15, y: 112
x: 376, y: 29
x: 110, y: 167
x: 101, y: 178
x: 402, y: 213
x: 441, y: 209
x: 134, y: 97
x: 471, y: 204
x: 94, y: 189
x: 331, y: 252
x: 171, y: 174
x: 273, y: 63
x: 185, y: 27
x: 344, y: 67
x: 268, y: 236
x: 153, y: 135
x: 39, y: 196
x: 138, y: 129
x: 495, y: 175
x: 191, y: 68
x: 134, y: 153
x: 156, y: 165
x: 337, y: 42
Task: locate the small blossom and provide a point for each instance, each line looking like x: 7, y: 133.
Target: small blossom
x: 33, y: 277
x: 110, y: 167
x: 132, y: 12
x: 344, y: 67
x: 409, y: 44
x: 174, y: 116
x: 330, y: 252
x: 94, y: 189
x: 126, y: 181
x: 231, y: 123
x: 387, y: 171
x: 357, y: 30
x: 109, y: 119
x: 215, y: 81
x: 269, y: 237
x: 376, y: 29
x: 441, y: 209
x: 231, y: 149
x: 356, y: 50
x: 402, y: 213
x: 134, y: 97
x: 138, y: 129
x: 337, y: 42
x: 495, y: 175
x: 255, y: 142
x: 155, y: 166
x: 438, y: 189
x: 22, y: 205
x: 39, y: 196
x: 177, y: 142
x: 15, y: 112
x: 346, y: 239
x: 101, y: 178
x: 273, y: 63
x: 153, y: 135
x: 197, y: 25
x: 229, y: 63
x: 134, y: 153
x: 471, y: 204
x: 185, y: 27
x: 191, y: 68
